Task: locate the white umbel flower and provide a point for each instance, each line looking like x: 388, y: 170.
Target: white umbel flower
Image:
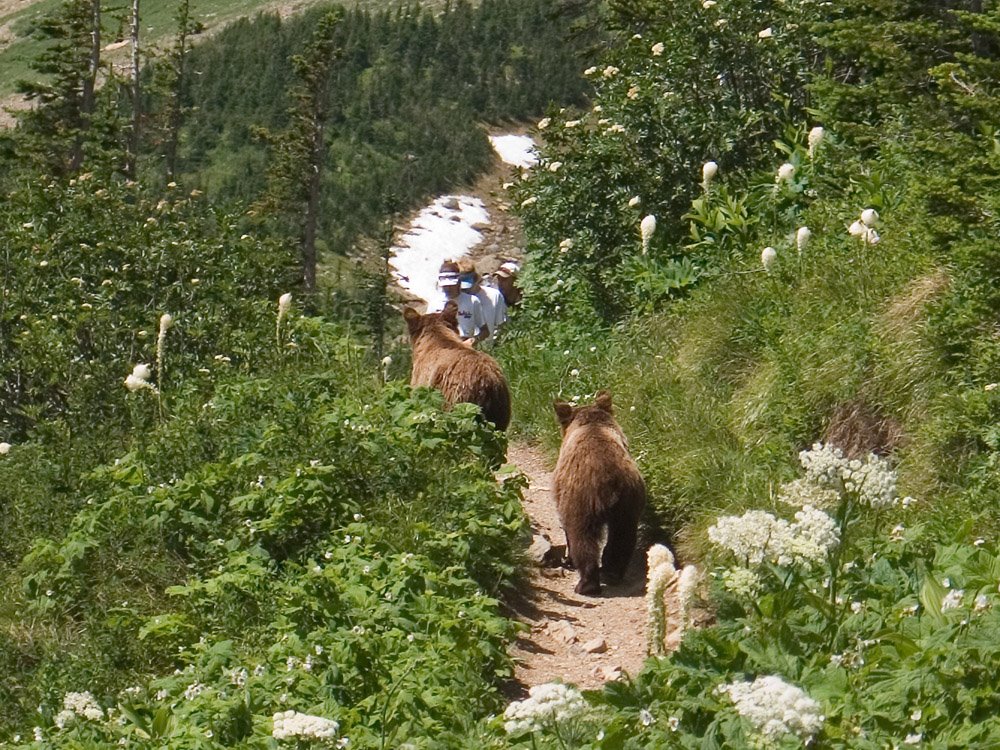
x: 138, y: 379
x: 646, y: 229
x: 802, y: 237
x: 870, y: 480
x: 768, y: 257
x: 293, y: 724
x: 5, y: 448
x: 775, y: 708
x: 952, y: 600
x: 816, y: 136
x: 546, y: 705
x: 708, y: 171
x: 785, y: 172
x: 84, y: 705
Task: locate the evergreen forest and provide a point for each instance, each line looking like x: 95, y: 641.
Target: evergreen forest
x: 768, y: 227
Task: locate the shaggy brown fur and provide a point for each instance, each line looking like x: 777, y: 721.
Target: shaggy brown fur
x: 597, y: 484
x: 442, y: 360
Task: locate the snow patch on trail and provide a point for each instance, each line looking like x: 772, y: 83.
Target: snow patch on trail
x: 518, y: 150
x: 442, y: 231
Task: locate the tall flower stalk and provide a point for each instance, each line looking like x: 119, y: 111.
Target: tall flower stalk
x: 166, y: 321
x: 284, y: 305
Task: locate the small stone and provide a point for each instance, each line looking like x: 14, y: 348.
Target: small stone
x: 609, y: 673
x: 451, y: 204
x: 539, y: 550
x: 564, y: 631
x: 595, y: 646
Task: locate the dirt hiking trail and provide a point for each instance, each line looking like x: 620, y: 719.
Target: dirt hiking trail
x: 576, y: 639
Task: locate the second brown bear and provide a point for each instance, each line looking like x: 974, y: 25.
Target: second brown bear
x: 597, y: 484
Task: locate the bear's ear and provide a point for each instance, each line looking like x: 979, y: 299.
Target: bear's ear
x: 603, y: 401
x: 450, y: 313
x: 564, y: 413
x: 412, y: 318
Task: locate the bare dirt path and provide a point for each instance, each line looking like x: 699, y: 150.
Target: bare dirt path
x: 579, y: 639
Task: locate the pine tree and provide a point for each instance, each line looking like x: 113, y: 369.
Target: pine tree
x: 59, y: 126
x: 299, y: 153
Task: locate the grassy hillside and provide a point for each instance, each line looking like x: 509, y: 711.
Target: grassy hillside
x: 19, y: 45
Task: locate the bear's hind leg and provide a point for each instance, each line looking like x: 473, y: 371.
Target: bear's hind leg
x: 583, y: 544
x: 622, y: 532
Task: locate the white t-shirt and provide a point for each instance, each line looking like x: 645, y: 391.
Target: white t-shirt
x: 471, y: 316
x: 494, y: 307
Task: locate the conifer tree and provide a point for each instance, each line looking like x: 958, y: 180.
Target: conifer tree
x: 299, y: 152
x: 66, y: 99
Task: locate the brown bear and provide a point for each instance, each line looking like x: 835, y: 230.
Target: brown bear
x: 597, y: 484
x: 442, y: 360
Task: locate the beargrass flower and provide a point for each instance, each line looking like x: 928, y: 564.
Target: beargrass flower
x: 657, y: 49
x: 802, y: 237
x: 765, y: 33
x: 633, y: 92
x: 661, y: 574
x: 634, y: 201
x: 775, y: 708
x: 646, y: 228
x: 566, y: 244
x: 708, y: 171
x: 544, y: 123
x: 816, y: 136
x: 138, y: 379
x: 785, y: 172
x: 5, y: 448
x: 555, y: 166
x: 610, y: 72
x: 869, y: 217
x: 768, y: 257
x: 546, y: 705
x: 709, y: 4
x: 529, y: 201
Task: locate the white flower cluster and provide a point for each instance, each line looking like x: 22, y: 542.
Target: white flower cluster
x: 139, y: 379
x: 870, y: 480
x: 292, y: 724
x: 757, y: 536
x: 864, y: 228
x: 775, y: 708
x: 80, y: 704
x: 952, y: 600
x: 816, y: 136
x: 801, y: 492
x: 646, y: 229
x: 545, y: 705
x: 741, y: 581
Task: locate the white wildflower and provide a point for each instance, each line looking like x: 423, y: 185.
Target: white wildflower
x: 83, y: 704
x: 555, y: 166
x: 982, y: 602
x: 765, y: 33
x: 952, y: 600
x: 5, y: 448
x: 785, y: 172
x: 857, y: 229
x: 565, y: 245
x: 869, y: 217
x: 802, y: 238
x: 544, y: 123
x: 142, y: 371
x: 913, y: 739
x: 657, y: 49
x: 646, y: 228
x: 758, y: 536
x: 775, y: 708
x: 768, y: 257
x: 590, y: 71
x: 633, y: 92
x: 645, y: 717
x: 293, y: 724
x: 815, y: 138
x: 742, y: 582
x: 708, y: 171
x: 193, y: 691
x: 546, y: 705
x: 673, y: 722
x: 709, y: 4
x: 610, y: 72
x: 870, y: 479
x: 571, y: 124
x: 634, y: 201
x: 802, y: 492
x: 616, y: 128
x: 63, y: 718
x: 661, y: 574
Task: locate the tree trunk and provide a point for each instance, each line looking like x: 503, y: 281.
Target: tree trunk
x: 89, y: 84
x: 312, y: 205
x: 131, y: 166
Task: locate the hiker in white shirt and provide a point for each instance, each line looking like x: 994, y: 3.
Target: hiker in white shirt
x: 472, y: 323
x: 494, y: 306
